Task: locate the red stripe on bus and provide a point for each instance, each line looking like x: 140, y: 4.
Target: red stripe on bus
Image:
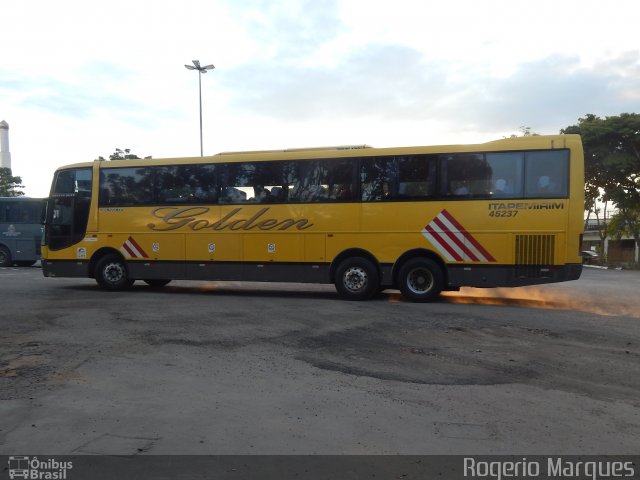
x: 468, y: 236
x: 453, y: 237
x: 442, y: 243
x: 138, y: 247
x: 128, y: 249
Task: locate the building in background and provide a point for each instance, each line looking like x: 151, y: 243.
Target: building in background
x: 615, y: 251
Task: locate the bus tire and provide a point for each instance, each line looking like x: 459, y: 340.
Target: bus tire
x: 111, y: 273
x: 156, y: 283
x: 420, y: 280
x: 5, y: 257
x: 357, y: 279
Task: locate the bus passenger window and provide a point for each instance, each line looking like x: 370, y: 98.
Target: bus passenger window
x: 547, y: 174
x: 239, y: 180
x: 340, y: 191
x: 507, y: 174
x: 466, y: 175
x: 181, y: 184
x: 416, y: 176
x: 378, y: 176
x: 233, y: 195
x: 321, y: 181
x: 277, y: 195
x: 126, y: 186
x: 253, y: 182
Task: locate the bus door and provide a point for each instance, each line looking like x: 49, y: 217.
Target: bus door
x: 68, y: 208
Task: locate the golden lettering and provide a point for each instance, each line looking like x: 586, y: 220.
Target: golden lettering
x: 267, y: 224
x: 173, y: 218
x: 176, y: 217
x: 199, y: 224
x: 300, y: 224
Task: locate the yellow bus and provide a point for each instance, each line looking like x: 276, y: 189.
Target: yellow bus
x: 418, y: 219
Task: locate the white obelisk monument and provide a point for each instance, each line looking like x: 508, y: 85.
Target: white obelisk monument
x: 5, y: 155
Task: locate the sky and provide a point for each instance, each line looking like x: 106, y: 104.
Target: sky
x: 79, y: 79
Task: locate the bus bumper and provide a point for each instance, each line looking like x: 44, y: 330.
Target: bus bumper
x: 65, y: 268
x: 510, y: 275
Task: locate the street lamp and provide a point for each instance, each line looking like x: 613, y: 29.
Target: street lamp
x: 201, y: 70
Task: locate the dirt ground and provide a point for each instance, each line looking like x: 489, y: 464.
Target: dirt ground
x: 237, y: 368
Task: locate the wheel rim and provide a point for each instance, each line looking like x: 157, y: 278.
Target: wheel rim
x: 114, y: 273
x: 3, y: 257
x: 420, y: 280
x: 355, y: 279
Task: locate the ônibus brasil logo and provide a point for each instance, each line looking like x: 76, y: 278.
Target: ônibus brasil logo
x: 33, y: 468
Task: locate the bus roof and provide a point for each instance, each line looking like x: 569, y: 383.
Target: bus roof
x: 541, y: 142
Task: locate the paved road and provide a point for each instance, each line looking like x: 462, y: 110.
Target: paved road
x: 230, y: 368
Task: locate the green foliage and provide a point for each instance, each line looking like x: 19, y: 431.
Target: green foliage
x: 612, y: 156
x: 10, y: 185
x: 626, y: 222
x: 612, y: 166
x: 120, y: 154
x: 526, y: 132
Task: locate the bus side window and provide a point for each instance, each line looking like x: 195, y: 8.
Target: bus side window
x: 378, y: 178
x: 507, y: 174
x: 277, y: 194
x: 465, y: 175
x: 547, y: 174
x: 320, y: 181
x: 14, y: 213
x: 416, y: 175
x: 233, y: 195
x: 127, y: 186
x: 105, y: 197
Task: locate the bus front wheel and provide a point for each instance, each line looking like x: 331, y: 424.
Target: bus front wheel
x: 5, y: 257
x: 420, y: 280
x: 111, y: 273
x: 357, y: 279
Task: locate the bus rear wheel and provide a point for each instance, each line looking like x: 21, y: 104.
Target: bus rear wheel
x: 156, y: 283
x: 357, y: 279
x: 5, y: 257
x: 111, y: 273
x: 420, y: 280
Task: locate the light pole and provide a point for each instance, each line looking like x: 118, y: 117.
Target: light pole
x: 201, y: 70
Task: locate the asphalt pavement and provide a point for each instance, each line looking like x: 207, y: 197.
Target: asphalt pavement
x: 247, y: 368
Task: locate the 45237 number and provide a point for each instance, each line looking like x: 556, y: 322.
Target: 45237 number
x: 503, y: 214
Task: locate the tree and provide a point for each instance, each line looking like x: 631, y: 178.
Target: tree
x: 612, y: 165
x: 10, y: 185
x: 626, y: 223
x: 122, y: 155
x: 526, y: 132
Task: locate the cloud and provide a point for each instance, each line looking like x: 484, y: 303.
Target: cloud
x: 550, y: 94
x: 384, y: 81
x: 96, y: 88
x: 398, y: 83
x: 290, y: 30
